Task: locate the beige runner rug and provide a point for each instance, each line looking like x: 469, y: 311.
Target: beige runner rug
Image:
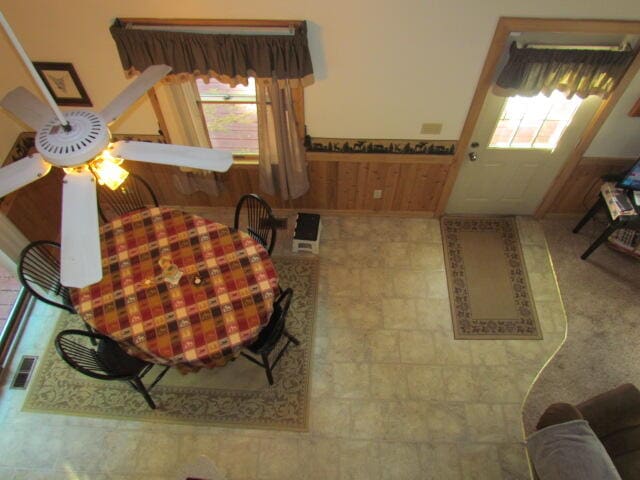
x: 236, y: 395
x: 488, y: 285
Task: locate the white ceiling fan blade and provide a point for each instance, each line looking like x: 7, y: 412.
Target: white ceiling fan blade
x: 22, y: 172
x: 27, y: 107
x: 134, y: 91
x: 81, y: 262
x: 179, y: 155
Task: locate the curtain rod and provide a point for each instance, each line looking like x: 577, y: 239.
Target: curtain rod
x: 199, y: 24
x: 612, y: 48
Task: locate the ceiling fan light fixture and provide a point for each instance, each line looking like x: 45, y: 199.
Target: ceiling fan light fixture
x: 108, y: 171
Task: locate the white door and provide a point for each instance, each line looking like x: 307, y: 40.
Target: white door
x: 511, y: 181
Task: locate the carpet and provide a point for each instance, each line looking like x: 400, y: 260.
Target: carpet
x: 236, y: 395
x: 488, y: 285
x: 601, y: 296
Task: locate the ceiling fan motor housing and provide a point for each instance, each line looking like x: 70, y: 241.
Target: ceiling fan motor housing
x: 87, y: 137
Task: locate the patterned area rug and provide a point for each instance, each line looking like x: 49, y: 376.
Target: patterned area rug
x: 488, y: 285
x: 236, y: 395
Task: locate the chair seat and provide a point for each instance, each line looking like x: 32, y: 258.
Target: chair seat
x: 117, y: 360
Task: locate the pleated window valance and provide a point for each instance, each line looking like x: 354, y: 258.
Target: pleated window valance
x: 530, y: 71
x: 231, y: 58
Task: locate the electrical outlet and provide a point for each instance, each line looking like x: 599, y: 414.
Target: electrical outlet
x: 377, y: 194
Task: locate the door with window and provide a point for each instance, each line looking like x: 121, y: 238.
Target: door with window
x: 518, y: 146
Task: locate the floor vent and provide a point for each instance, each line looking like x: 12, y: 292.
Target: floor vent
x: 23, y: 375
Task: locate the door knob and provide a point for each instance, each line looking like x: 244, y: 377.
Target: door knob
x: 473, y: 156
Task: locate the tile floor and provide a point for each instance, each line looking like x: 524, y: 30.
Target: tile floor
x: 393, y: 395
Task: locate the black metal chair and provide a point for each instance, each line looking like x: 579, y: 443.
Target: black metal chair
x: 271, y: 334
x: 258, y: 220
x: 107, y: 361
x: 134, y: 193
x: 39, y: 273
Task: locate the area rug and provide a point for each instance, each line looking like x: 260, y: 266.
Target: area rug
x: 236, y: 395
x: 488, y: 285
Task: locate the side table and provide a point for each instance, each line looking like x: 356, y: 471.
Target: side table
x: 616, y: 220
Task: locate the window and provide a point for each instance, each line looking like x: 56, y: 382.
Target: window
x: 534, y: 122
x: 230, y: 115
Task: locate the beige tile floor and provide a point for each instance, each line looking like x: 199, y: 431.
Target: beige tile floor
x: 393, y: 395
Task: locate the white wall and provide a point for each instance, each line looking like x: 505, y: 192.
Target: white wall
x: 620, y: 135
x: 382, y: 68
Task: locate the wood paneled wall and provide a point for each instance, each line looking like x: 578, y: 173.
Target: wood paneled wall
x: 342, y: 182
x: 580, y: 191
x: 339, y: 181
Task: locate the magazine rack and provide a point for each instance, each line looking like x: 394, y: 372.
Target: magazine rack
x: 618, y: 216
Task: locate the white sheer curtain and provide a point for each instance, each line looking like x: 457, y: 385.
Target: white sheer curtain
x: 183, y: 118
x: 283, y: 166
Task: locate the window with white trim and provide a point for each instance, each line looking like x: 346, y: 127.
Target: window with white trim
x: 230, y: 116
x: 534, y: 122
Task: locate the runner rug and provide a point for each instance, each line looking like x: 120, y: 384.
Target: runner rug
x: 236, y: 395
x: 488, y: 285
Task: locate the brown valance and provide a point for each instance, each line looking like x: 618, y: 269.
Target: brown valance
x: 230, y: 58
x: 530, y: 71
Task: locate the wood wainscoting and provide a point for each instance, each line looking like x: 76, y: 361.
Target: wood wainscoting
x: 410, y: 184
x: 339, y: 181
x: 580, y: 191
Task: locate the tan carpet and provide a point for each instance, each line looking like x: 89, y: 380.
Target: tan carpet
x: 488, y: 285
x: 236, y: 395
x: 601, y: 296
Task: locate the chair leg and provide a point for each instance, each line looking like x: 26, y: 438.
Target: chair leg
x: 90, y: 330
x: 291, y: 337
x: 139, y: 386
x: 267, y: 368
x: 158, y: 378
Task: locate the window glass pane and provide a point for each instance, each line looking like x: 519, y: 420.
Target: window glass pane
x: 538, y: 107
x: 504, y: 132
x: 232, y: 127
x: 563, y: 110
x: 515, y: 108
x: 546, y: 134
x: 525, y: 135
x: 534, y: 122
x: 218, y: 91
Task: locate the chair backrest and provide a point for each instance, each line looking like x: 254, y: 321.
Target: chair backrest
x: 39, y: 273
x: 254, y: 216
x: 271, y: 333
x: 75, y: 348
x: 134, y: 194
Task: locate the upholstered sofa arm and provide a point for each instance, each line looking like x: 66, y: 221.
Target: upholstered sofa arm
x: 558, y: 413
x: 612, y: 411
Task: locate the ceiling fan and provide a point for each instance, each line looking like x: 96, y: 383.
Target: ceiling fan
x: 78, y: 141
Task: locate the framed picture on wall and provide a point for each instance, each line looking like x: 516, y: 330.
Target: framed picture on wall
x: 63, y: 83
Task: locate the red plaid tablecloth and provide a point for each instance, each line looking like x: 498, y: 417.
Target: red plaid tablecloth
x: 188, y: 324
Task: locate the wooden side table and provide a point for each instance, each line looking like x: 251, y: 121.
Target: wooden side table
x: 615, y: 221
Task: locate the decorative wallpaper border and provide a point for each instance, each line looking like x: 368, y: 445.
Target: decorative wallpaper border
x: 402, y: 147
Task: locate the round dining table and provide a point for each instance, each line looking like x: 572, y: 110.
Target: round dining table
x: 178, y: 289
